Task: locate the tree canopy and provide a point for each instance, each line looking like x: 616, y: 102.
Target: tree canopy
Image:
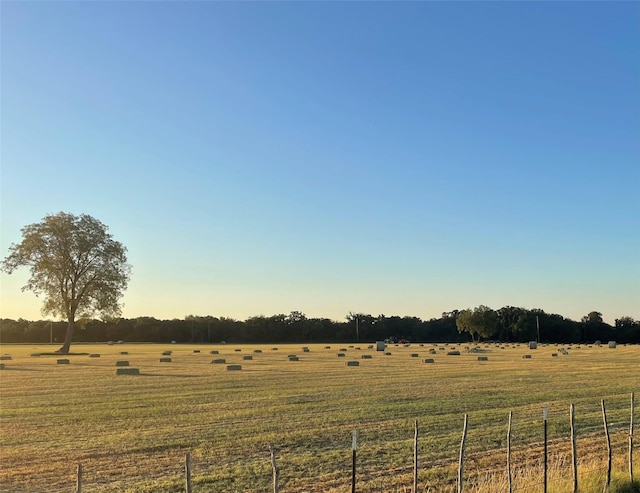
x: 76, y: 266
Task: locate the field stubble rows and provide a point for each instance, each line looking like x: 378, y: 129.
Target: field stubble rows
x: 131, y: 432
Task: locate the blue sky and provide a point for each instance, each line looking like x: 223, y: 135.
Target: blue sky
x: 381, y: 157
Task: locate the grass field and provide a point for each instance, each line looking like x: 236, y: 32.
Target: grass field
x: 131, y: 432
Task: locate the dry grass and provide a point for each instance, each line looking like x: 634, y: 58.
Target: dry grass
x: 131, y: 432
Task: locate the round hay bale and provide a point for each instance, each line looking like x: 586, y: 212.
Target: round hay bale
x: 247, y: 357
x: 2, y: 366
x: 370, y: 346
x: 429, y: 360
x: 341, y: 355
x: 196, y: 351
x: 63, y: 362
x: 165, y: 360
x: 257, y: 350
x: 166, y: 353
x: 127, y: 371
x: 366, y: 356
x: 526, y: 356
x: 238, y: 350
x: 274, y: 349
x: 327, y: 347
x: 415, y: 355
x: 353, y: 363
x: 293, y: 358
x: 215, y: 351
x: 387, y: 353
x: 554, y: 355
x: 234, y: 367
x: 122, y: 363
x: 453, y: 353
x: 94, y: 355
x: 305, y: 349
x: 432, y: 351
x: 343, y: 350
x: 483, y: 358
x: 219, y: 361
x: 124, y: 352
x: 6, y: 357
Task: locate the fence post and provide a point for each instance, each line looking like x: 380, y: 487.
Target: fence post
x: 606, y: 434
x: 461, y: 461
x: 79, y: 479
x: 187, y: 472
x: 509, y: 475
x: 574, y: 455
x: 631, y: 442
x: 544, y: 419
x: 354, y: 446
x: 415, y: 458
x: 274, y: 469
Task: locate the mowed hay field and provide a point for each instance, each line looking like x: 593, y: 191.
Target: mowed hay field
x: 131, y: 432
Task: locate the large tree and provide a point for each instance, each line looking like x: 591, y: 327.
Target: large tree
x: 481, y: 322
x: 76, y: 266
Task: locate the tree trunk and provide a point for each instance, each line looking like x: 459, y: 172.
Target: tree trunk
x: 71, y: 324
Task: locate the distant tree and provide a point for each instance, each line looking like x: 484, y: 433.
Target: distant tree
x: 76, y: 265
x: 594, y: 327
x: 627, y: 329
x: 593, y: 318
x: 480, y: 322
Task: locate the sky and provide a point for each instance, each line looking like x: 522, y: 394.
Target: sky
x: 396, y: 158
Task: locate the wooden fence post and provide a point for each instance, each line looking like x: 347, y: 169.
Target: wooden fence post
x: 509, y: 475
x: 79, y: 479
x: 461, y: 460
x: 354, y: 446
x: 631, y: 442
x: 544, y: 419
x: 187, y: 472
x: 606, y: 434
x: 415, y: 458
x: 274, y: 469
x: 574, y: 455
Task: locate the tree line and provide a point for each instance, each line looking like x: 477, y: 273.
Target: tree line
x: 508, y: 324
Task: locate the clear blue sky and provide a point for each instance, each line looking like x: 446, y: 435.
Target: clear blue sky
x: 382, y: 157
